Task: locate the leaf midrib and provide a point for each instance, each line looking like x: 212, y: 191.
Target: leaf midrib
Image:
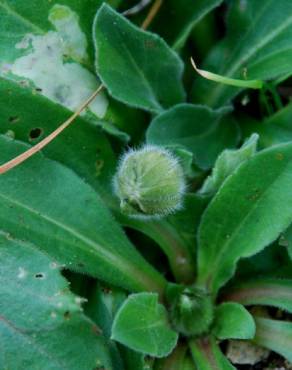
x: 216, y: 91
x: 102, y: 253
x: 210, y: 277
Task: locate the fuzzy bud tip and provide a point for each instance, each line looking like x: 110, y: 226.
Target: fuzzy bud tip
x: 149, y: 183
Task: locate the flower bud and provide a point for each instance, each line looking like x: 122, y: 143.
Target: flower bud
x: 149, y: 183
x: 191, y: 311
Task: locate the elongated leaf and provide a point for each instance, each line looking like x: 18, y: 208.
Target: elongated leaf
x: 202, y: 131
x: 233, y: 321
x: 273, y: 130
x: 41, y: 321
x: 101, y: 307
x: 141, y: 324
x: 275, y: 335
x: 182, y: 15
x: 132, y: 63
x: 248, y: 213
x: 268, y: 292
x: 226, y: 163
x: 253, y: 48
x: 208, y: 356
x: 179, y: 359
x: 57, y: 211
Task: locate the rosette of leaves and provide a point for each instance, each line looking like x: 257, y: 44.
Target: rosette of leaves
x: 78, y: 292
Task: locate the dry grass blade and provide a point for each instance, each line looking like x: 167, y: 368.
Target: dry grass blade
x: 33, y: 150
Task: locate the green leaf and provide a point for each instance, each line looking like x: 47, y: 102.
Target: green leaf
x: 286, y: 240
x: 133, y: 359
x: 55, y: 35
x: 182, y: 15
x: 273, y: 130
x: 233, y: 321
x: 56, y: 210
x: 252, y: 48
x: 101, y: 307
x: 226, y: 163
x: 238, y: 221
x: 249, y: 84
x: 208, y: 356
x: 82, y: 147
x: 267, y: 292
x: 176, y: 235
x: 179, y: 359
x: 20, y: 19
x: 103, y: 304
x: 132, y: 63
x: 141, y: 324
x: 202, y: 131
x: 275, y: 335
x: 42, y: 324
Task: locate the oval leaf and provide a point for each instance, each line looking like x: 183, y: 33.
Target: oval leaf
x: 249, y: 212
x: 141, y: 324
x: 233, y: 321
x: 131, y: 62
x: 201, y: 130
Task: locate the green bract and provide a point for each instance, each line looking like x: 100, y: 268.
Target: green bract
x: 156, y: 223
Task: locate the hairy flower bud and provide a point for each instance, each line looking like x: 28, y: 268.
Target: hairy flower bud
x: 149, y: 182
x: 191, y: 311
